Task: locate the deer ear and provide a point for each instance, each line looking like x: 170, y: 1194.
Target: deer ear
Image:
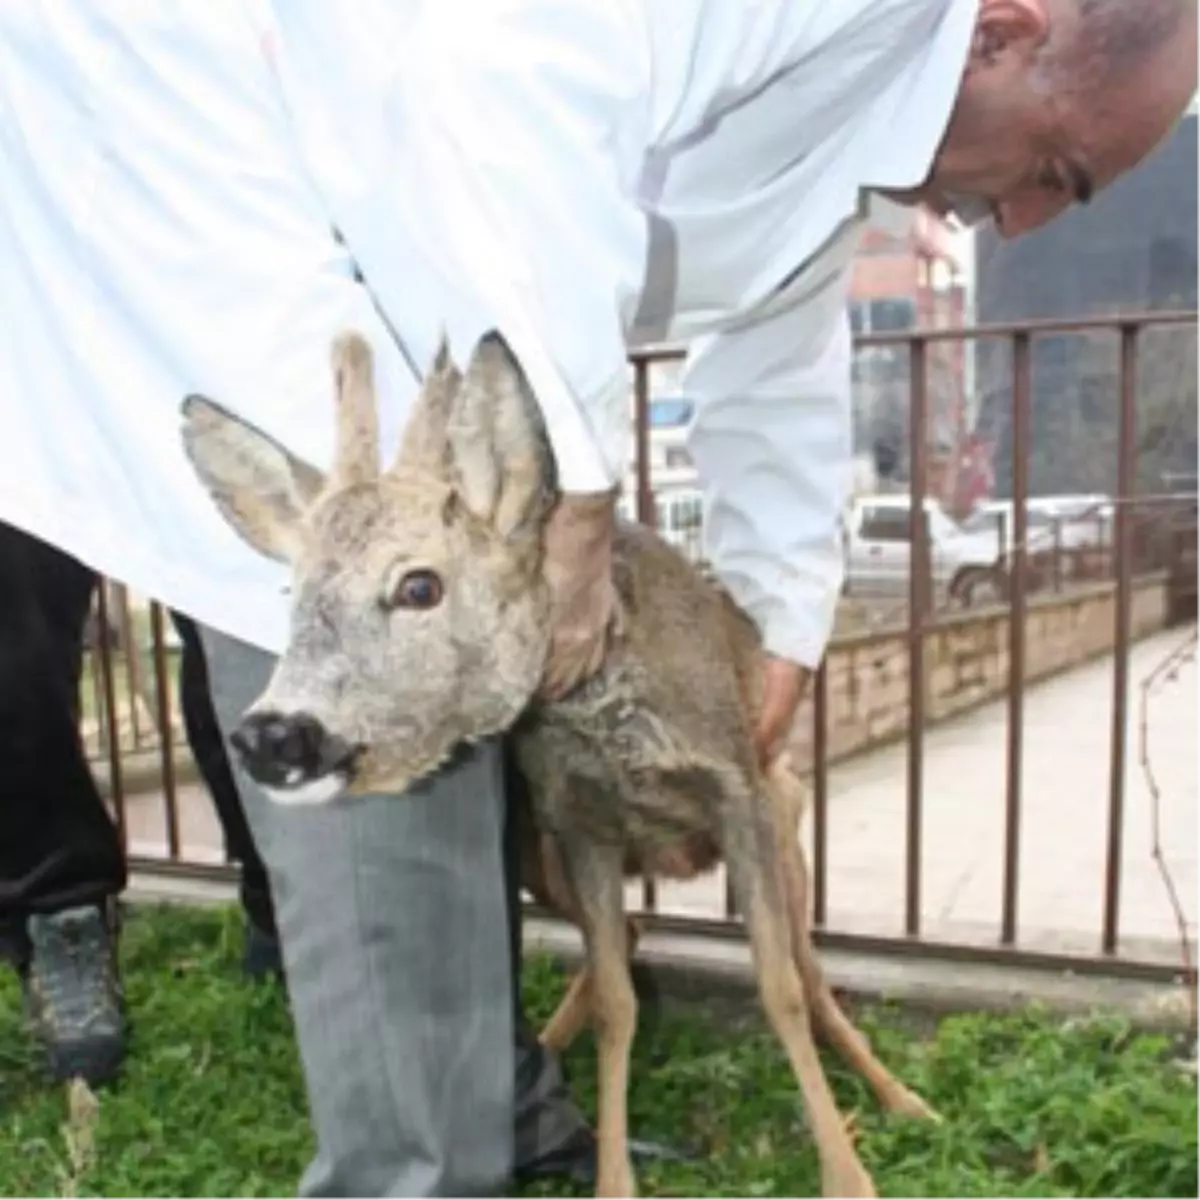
x: 425, y: 436
x: 499, y: 450
x: 261, y: 489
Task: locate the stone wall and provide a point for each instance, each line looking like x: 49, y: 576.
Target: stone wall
x: 966, y: 661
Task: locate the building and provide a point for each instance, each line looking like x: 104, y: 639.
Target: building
x: 899, y: 283
x: 902, y: 283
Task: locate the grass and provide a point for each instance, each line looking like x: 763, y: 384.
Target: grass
x: 213, y: 1103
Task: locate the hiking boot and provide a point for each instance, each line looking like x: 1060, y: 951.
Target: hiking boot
x: 73, y: 995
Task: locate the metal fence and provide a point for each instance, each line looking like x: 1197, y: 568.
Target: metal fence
x: 135, y: 738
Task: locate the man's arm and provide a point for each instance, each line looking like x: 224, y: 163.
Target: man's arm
x: 772, y: 443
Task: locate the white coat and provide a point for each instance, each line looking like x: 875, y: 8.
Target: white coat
x: 582, y: 175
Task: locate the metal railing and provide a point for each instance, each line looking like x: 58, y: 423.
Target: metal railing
x: 131, y: 727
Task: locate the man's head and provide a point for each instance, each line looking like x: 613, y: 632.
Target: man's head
x: 1059, y: 98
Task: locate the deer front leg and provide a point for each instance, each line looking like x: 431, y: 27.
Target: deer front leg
x: 596, y: 879
x: 543, y: 874
x: 575, y: 1009
x: 754, y: 867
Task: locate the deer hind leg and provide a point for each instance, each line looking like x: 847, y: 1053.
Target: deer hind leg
x: 830, y: 1015
x: 838, y: 1027
x: 597, y: 881
x: 753, y: 861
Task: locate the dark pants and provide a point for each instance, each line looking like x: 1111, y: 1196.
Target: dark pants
x: 58, y: 845
x: 208, y: 749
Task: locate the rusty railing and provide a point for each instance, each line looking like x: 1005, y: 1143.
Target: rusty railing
x: 138, y: 748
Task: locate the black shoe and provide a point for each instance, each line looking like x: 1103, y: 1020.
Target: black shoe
x: 261, y: 956
x: 73, y: 995
x: 575, y: 1160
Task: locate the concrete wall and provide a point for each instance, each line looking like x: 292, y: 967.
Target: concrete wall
x: 966, y: 662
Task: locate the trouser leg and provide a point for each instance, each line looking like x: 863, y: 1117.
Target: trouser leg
x: 546, y: 1116
x: 58, y: 845
x: 393, y: 925
x: 208, y: 749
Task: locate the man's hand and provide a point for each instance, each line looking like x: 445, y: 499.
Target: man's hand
x: 583, y: 601
x: 784, y: 686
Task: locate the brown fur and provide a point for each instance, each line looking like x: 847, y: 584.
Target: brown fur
x: 647, y: 769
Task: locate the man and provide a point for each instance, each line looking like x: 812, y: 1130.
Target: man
x: 61, y: 861
x: 581, y: 176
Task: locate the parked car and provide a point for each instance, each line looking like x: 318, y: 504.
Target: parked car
x: 966, y: 566
x: 1070, y: 523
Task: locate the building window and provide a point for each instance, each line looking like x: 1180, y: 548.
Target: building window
x: 882, y: 316
x: 892, y: 316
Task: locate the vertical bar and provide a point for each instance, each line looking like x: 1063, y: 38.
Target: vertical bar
x: 1018, y: 586
x: 102, y: 715
x: 166, y: 742
x: 112, y: 727
x: 820, y: 769
x: 647, y: 514
x: 125, y: 627
x: 918, y: 605
x: 1058, y: 555
x: 1116, y: 790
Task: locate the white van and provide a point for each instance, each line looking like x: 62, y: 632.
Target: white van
x: 967, y: 567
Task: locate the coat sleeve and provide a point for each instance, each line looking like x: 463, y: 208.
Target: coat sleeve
x: 772, y: 443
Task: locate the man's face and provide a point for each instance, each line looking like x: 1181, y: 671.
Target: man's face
x: 1025, y: 143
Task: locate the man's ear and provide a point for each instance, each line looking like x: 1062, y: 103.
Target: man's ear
x: 259, y: 488
x: 1006, y: 28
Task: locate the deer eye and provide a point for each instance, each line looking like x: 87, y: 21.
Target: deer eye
x: 417, y: 589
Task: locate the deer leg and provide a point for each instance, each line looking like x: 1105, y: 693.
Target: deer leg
x: 544, y: 876
x: 787, y: 799
x: 753, y: 861
x: 597, y: 881
x: 574, y: 1010
x: 838, y: 1027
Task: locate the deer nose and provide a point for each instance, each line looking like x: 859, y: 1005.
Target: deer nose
x: 290, y: 749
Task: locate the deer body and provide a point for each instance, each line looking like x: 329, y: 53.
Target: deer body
x: 656, y: 771
x: 420, y: 621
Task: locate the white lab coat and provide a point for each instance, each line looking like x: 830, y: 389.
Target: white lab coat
x: 581, y: 175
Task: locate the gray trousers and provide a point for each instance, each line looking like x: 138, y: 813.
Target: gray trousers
x: 395, y: 928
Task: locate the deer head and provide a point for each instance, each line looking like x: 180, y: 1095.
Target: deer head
x: 419, y: 618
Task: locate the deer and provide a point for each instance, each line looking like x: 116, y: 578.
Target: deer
x: 419, y: 624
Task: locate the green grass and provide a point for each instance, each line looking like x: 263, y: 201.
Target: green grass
x: 213, y: 1103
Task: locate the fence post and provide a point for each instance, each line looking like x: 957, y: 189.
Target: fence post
x: 1126, y: 466
x: 1017, y: 587
x: 918, y: 604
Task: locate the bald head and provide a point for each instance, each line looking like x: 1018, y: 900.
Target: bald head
x: 1061, y: 97
x: 1116, y: 36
